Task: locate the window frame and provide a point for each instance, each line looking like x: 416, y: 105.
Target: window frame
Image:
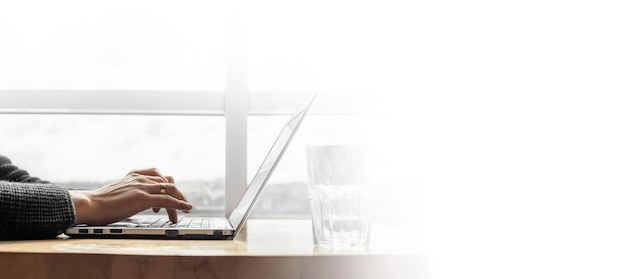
x: 235, y: 103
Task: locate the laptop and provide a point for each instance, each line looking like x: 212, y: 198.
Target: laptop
x: 197, y: 227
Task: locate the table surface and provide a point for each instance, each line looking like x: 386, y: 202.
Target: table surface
x: 275, y: 248
x: 261, y: 238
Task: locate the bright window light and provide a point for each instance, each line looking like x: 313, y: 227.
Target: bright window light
x: 117, y: 45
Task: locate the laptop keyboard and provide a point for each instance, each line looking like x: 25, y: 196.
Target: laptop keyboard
x: 183, y: 222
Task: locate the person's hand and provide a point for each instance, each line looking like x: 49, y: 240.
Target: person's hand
x: 120, y: 199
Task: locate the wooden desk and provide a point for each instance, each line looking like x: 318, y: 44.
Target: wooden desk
x: 258, y: 253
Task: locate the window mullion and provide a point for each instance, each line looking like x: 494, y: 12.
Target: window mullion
x: 236, y: 113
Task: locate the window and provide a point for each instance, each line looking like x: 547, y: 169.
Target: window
x: 139, y: 80
x: 209, y: 82
x: 328, y: 46
x: 113, y: 45
x: 85, y: 151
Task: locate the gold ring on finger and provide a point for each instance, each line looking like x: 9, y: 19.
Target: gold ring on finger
x: 162, y: 189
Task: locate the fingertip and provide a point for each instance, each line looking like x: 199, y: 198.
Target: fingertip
x: 173, y: 216
x: 189, y: 205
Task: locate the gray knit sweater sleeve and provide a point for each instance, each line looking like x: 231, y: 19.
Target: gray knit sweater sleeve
x: 31, y: 208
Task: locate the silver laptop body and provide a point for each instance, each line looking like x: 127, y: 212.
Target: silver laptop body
x: 197, y: 227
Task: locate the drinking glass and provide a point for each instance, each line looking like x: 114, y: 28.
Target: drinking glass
x: 340, y: 195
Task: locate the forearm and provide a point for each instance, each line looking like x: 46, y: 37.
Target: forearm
x: 32, y: 210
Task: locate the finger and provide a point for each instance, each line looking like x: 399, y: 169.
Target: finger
x: 148, y: 172
x: 173, y: 215
x: 152, y: 178
x: 149, y: 178
x: 155, y: 188
x: 156, y: 209
x: 180, y: 195
x: 169, y: 202
x: 169, y: 188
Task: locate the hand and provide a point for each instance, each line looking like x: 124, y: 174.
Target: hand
x: 120, y: 199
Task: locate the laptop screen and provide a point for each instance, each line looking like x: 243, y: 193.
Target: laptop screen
x: 255, y: 187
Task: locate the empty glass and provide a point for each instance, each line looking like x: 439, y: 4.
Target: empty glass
x: 340, y: 194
